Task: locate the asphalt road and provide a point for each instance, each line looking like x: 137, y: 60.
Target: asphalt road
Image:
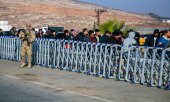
x: 40, y: 84
x: 18, y: 90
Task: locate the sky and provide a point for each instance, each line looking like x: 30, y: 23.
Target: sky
x: 159, y: 7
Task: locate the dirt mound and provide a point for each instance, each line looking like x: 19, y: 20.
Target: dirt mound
x: 67, y: 13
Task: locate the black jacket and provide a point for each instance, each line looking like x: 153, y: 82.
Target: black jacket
x: 150, y: 41
x: 1, y: 34
x: 117, y: 41
x: 106, y: 39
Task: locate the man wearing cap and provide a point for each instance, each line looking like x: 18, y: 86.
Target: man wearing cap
x: 27, y: 36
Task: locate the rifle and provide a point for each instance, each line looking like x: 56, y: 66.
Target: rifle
x: 27, y: 37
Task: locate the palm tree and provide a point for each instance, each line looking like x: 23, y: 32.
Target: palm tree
x: 112, y: 26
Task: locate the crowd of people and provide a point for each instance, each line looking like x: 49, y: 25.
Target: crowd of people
x: 157, y: 39
x: 28, y: 35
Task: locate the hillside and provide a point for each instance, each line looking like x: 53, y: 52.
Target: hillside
x: 67, y: 13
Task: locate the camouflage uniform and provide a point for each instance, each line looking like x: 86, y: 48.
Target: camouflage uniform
x: 27, y: 38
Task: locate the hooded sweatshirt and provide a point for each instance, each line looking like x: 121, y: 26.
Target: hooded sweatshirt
x: 129, y: 41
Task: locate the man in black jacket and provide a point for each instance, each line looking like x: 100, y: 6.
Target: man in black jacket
x: 117, y: 38
x: 107, y: 38
x: 83, y: 36
x: 97, y: 35
x: 152, y: 40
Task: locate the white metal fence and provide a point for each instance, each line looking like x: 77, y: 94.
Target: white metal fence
x: 144, y: 65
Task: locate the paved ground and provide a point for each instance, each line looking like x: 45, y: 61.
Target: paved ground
x: 41, y: 84
x: 23, y: 91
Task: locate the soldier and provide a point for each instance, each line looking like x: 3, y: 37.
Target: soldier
x: 27, y: 36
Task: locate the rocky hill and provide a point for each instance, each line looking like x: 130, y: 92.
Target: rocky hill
x: 67, y: 13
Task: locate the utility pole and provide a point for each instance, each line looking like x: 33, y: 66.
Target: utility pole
x: 98, y: 12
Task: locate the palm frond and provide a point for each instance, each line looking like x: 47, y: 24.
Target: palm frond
x: 111, y: 25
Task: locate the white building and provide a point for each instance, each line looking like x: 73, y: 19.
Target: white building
x: 4, y: 25
x: 166, y: 20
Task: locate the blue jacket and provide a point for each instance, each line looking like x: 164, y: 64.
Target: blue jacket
x: 164, y: 42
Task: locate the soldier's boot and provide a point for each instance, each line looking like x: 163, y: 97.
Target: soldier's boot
x: 29, y: 66
x: 29, y: 59
x: 23, y: 62
x: 22, y: 65
x: 23, y: 55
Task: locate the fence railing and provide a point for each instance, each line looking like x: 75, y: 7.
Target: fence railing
x: 144, y: 65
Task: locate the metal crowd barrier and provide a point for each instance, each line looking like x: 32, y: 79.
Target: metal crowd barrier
x: 144, y: 65
x: 10, y: 48
x: 89, y: 58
